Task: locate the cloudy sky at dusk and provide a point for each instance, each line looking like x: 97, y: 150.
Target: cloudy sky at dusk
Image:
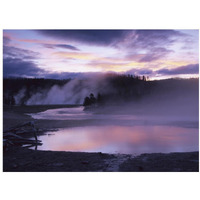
x: 71, y: 53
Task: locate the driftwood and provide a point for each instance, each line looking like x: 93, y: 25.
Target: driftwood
x: 13, y: 135
x: 27, y: 124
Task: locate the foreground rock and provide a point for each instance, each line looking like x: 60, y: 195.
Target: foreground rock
x: 159, y: 162
x: 19, y: 159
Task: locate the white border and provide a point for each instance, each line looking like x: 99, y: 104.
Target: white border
x: 104, y: 14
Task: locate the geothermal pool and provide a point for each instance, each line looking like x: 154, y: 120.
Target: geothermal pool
x: 125, y: 134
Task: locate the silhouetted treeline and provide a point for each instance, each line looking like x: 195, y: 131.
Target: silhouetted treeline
x: 123, y: 88
x: 116, y: 89
x: 128, y: 88
x: 12, y: 86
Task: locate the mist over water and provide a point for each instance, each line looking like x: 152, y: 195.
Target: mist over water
x: 120, y: 132
x: 169, y: 99
x: 115, y: 115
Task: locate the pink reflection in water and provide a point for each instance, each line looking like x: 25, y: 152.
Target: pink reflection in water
x: 122, y: 139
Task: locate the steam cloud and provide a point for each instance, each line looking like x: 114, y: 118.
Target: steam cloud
x: 169, y: 97
x: 20, y: 95
x: 72, y: 92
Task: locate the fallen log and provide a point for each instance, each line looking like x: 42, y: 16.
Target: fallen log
x: 13, y: 129
x: 11, y: 136
x: 27, y: 142
x: 24, y: 141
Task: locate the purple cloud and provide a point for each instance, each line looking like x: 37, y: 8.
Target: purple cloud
x: 142, y: 38
x: 64, y: 46
x: 97, y: 37
x: 149, y: 38
x: 142, y: 71
x: 15, y: 67
x: 72, y: 75
x: 155, y: 43
x: 14, y: 52
x: 155, y: 54
x: 187, y: 69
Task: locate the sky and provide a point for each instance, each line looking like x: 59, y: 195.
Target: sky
x: 61, y: 54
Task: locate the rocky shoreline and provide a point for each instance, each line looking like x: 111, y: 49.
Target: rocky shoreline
x: 18, y: 159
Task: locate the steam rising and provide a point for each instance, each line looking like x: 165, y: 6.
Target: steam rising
x: 73, y: 92
x: 20, y: 96
x: 167, y: 97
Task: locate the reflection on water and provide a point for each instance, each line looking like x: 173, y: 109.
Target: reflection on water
x: 62, y: 114
x: 128, y: 134
x: 76, y: 113
x: 122, y: 139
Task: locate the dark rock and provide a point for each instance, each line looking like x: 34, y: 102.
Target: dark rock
x: 15, y: 165
x: 141, y: 169
x: 85, y: 162
x: 58, y: 164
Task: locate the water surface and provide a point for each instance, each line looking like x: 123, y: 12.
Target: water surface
x: 127, y: 134
x: 122, y: 139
